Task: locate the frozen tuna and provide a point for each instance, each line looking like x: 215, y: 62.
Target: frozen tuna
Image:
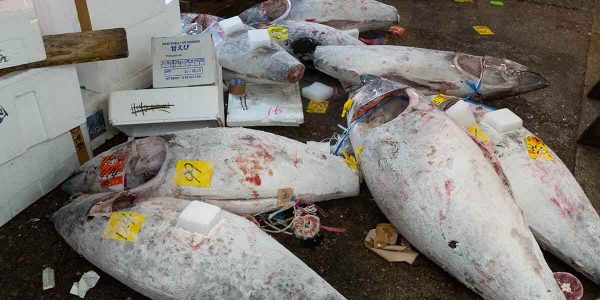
x: 302, y: 38
x: 140, y: 246
x: 430, y: 71
x: 266, y: 64
x: 434, y: 184
x: 554, y: 205
x: 361, y: 14
x: 237, y: 169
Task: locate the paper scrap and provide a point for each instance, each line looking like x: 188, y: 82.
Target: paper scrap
x: 439, y: 99
x: 537, y: 149
x: 382, y: 241
x: 193, y: 173
x: 88, y: 280
x: 347, y: 106
x: 317, y: 107
x: 48, y: 279
x: 498, y: 3
x: 124, y: 226
x: 278, y: 33
x: 478, y: 133
x: 483, y: 30
x: 284, y: 196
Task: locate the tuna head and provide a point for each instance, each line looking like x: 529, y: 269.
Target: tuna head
x: 500, y: 77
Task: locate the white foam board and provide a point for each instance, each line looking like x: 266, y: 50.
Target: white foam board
x: 160, y: 111
x: 107, y: 76
x: 37, y: 105
x: 503, y: 120
x: 199, y: 217
x: 266, y: 105
x: 232, y: 25
x: 20, y: 36
x: 184, y: 60
x: 462, y: 114
x: 259, y: 38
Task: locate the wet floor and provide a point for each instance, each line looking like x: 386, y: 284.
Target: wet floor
x: 551, y: 37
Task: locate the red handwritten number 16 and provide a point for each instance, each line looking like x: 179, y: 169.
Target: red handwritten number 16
x: 275, y: 110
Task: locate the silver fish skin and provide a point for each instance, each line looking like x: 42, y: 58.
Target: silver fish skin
x: 434, y: 184
x: 430, y: 71
x: 270, y: 64
x: 554, y: 205
x: 235, y: 260
x: 304, y: 37
x: 348, y: 14
x: 248, y: 168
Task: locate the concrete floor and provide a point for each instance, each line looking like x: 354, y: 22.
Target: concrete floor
x: 552, y: 37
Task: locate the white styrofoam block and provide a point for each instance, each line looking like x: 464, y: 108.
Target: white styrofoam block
x: 53, y: 161
x: 317, y: 92
x: 106, y: 76
x: 161, y: 111
x: 259, y: 38
x: 96, y: 111
x: 184, y: 60
x: 352, y: 32
x: 323, y: 147
x: 37, y: 105
x: 266, y: 105
x: 232, y: 25
x: 20, y: 36
x: 503, y: 120
x: 57, y: 16
x: 461, y: 114
x: 199, y: 217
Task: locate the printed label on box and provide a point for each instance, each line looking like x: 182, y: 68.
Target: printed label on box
x: 178, y: 69
x: 95, y: 124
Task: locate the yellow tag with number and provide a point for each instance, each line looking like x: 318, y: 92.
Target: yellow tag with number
x: 483, y: 30
x: 439, y: 99
x: 278, y: 33
x: 317, y: 107
x: 193, y: 173
x: 347, y: 106
x: 124, y: 226
x: 537, y: 149
x: 476, y: 132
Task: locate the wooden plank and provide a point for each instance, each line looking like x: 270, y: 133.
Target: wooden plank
x: 79, y: 47
x: 83, y: 15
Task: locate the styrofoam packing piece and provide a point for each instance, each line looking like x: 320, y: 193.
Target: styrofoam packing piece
x: 88, y: 280
x: 20, y: 36
x: 323, y: 147
x: 259, y: 38
x: 317, y: 92
x: 232, y: 25
x: 461, y: 114
x: 48, y: 279
x: 199, y: 217
x: 352, y: 32
x: 503, y: 120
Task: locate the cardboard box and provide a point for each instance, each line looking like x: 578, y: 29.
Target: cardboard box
x: 20, y: 36
x: 161, y: 111
x: 36, y: 172
x: 96, y: 111
x: 37, y: 105
x: 184, y: 60
x: 106, y: 76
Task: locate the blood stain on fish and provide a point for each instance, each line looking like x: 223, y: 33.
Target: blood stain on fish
x: 255, y: 193
x: 254, y: 179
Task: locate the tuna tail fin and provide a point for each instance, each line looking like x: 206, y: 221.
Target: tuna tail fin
x: 366, y: 78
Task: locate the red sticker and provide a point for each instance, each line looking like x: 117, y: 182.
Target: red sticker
x: 111, y: 170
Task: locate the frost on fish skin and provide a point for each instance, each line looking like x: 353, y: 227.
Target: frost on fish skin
x: 236, y: 260
x: 434, y: 184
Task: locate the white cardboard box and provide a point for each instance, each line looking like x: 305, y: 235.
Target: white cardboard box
x: 20, y: 36
x: 266, y: 105
x: 37, y: 105
x: 36, y: 172
x: 184, y: 60
x: 161, y: 111
x: 106, y: 76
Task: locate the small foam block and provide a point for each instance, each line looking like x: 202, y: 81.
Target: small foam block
x: 317, y: 92
x: 352, y: 32
x: 503, y: 120
x: 259, y: 38
x: 462, y: 114
x: 232, y: 25
x: 199, y: 217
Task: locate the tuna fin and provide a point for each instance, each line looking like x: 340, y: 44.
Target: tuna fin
x: 366, y: 78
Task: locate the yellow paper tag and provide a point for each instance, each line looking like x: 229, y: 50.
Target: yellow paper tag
x: 347, y: 106
x: 359, y: 151
x: 537, y: 149
x: 124, y: 226
x: 284, y: 196
x: 439, y: 99
x: 350, y: 160
x: 278, y: 33
x: 483, y: 30
x: 193, y: 173
x: 479, y: 134
x: 317, y: 107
